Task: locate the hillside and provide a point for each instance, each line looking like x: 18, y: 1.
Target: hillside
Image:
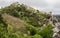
x: 22, y: 21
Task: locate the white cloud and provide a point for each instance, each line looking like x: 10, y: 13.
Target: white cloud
x: 52, y: 1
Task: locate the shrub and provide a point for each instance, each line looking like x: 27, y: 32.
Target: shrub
x: 46, y: 32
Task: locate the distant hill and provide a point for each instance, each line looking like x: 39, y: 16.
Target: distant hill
x: 57, y: 16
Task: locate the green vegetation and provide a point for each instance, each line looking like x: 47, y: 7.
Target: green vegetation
x: 34, y: 21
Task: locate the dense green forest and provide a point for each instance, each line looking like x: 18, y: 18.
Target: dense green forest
x: 21, y: 21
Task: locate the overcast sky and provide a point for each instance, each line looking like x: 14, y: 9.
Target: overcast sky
x: 44, y: 5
